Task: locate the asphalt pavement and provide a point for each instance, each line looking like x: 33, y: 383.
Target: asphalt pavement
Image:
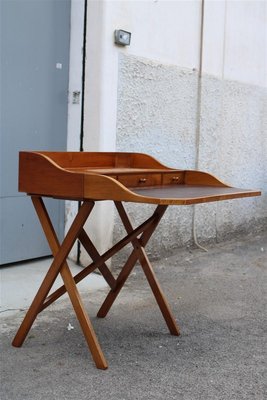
x: 219, y: 301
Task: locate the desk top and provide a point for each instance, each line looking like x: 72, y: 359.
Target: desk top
x: 132, y: 177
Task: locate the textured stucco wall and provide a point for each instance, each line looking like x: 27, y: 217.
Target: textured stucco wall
x: 155, y: 104
x: 158, y: 114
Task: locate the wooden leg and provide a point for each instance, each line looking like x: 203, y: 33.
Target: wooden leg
x: 158, y: 293
x: 126, y: 270
x: 83, y: 319
x: 150, y: 275
x: 52, y: 272
x: 112, y: 295
x: 59, y: 265
x: 139, y: 253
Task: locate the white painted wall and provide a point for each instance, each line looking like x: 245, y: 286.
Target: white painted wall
x: 166, y: 44
x: 74, y: 110
x: 75, y: 74
x: 246, y: 42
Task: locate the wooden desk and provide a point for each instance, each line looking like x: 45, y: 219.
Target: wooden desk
x: 121, y: 177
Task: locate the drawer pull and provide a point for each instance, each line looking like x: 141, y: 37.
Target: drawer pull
x: 176, y: 178
x: 142, y: 180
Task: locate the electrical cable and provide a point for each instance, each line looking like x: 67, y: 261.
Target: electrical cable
x: 198, y: 117
x: 82, y: 104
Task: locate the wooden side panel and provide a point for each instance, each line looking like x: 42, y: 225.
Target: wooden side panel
x: 78, y: 159
x: 140, y: 160
x: 104, y: 159
x: 202, y: 178
x: 123, y: 160
x: 39, y: 175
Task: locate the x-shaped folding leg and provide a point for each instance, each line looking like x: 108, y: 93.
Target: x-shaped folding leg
x: 139, y: 253
x: 60, y: 266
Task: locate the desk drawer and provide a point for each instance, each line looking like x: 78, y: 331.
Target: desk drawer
x: 173, y: 178
x: 140, y: 180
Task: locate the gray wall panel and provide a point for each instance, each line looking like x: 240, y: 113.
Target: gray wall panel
x: 34, y: 99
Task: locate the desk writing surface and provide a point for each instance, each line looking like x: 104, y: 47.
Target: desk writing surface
x: 189, y: 191
x: 132, y: 177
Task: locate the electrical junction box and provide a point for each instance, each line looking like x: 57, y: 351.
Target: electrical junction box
x: 123, y: 38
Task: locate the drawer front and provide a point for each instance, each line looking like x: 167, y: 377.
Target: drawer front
x: 173, y: 178
x: 140, y: 180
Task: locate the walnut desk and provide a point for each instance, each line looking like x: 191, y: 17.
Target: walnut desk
x: 121, y: 177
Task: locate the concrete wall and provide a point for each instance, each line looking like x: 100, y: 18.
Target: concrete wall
x: 150, y: 97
